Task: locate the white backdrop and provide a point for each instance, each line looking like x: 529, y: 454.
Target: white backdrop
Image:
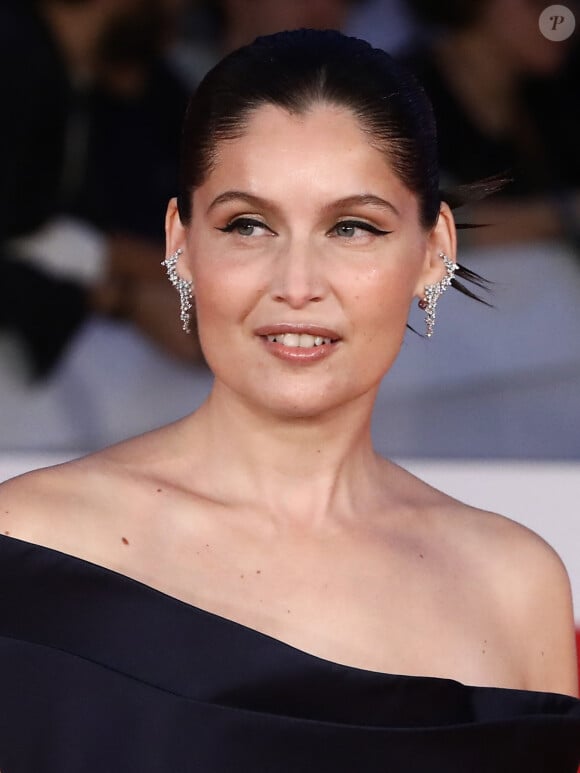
x: 545, y: 496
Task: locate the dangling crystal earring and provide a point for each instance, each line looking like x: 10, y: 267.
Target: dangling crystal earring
x: 432, y: 293
x: 183, y: 286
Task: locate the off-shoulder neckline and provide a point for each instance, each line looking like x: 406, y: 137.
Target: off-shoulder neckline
x: 297, y: 651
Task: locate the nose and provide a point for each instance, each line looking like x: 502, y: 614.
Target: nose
x: 298, y: 276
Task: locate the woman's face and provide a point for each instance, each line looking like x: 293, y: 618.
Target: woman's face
x: 302, y: 224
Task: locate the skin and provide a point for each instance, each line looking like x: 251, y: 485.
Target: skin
x: 269, y: 505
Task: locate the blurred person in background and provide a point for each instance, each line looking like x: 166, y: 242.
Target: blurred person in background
x: 217, y: 27
x: 89, y: 93
x: 504, y: 104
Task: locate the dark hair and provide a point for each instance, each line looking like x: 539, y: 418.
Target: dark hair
x: 296, y: 70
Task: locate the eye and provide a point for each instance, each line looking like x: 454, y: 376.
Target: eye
x: 245, y: 226
x: 348, y: 228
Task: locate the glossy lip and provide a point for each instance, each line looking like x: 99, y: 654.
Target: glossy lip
x: 299, y: 354
x: 301, y: 328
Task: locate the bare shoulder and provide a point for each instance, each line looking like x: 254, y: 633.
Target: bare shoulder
x: 531, y: 591
x: 38, y: 502
x: 518, y: 575
x: 514, y: 553
x: 57, y: 506
x: 538, y: 604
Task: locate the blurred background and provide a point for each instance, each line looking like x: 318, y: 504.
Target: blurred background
x: 94, y: 91
x: 91, y: 349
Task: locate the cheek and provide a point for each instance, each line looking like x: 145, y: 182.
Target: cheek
x: 384, y: 295
x: 226, y: 288
x: 381, y: 305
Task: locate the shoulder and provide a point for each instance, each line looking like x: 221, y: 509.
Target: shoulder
x: 517, y: 577
x: 531, y: 592
x: 60, y: 506
x: 37, y: 503
x: 540, y: 606
x: 508, y: 550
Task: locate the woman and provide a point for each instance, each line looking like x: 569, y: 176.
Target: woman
x: 253, y: 588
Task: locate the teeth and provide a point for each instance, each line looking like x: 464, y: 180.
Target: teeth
x: 295, y: 339
x: 291, y: 339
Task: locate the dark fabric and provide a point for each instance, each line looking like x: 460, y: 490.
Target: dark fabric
x: 99, y: 672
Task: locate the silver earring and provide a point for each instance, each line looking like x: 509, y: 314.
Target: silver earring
x: 433, y: 292
x: 183, y: 286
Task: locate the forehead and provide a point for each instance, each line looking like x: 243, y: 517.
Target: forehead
x: 316, y: 154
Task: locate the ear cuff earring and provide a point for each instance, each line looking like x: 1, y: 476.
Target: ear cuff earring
x: 183, y: 286
x: 433, y: 292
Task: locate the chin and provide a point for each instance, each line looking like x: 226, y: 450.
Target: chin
x: 308, y: 401
x: 293, y: 409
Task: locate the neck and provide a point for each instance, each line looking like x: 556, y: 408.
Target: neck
x: 78, y: 30
x: 314, y: 472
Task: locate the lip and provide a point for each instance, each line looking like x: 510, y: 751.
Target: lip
x: 298, y: 354
x: 305, y: 328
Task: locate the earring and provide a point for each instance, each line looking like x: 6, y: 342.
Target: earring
x: 183, y: 286
x: 433, y: 292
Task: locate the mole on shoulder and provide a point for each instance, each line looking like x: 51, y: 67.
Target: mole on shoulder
x: 242, y: 576
x: 124, y: 540
x: 258, y: 571
x: 421, y: 555
x: 7, y: 533
x: 159, y: 490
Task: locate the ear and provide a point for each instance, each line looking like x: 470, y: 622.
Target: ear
x: 441, y: 238
x: 176, y: 238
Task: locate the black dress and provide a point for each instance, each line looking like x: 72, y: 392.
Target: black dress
x: 102, y: 674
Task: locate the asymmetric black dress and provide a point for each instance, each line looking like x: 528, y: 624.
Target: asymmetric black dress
x: 102, y: 674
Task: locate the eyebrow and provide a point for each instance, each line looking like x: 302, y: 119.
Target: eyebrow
x: 363, y: 198
x: 347, y: 201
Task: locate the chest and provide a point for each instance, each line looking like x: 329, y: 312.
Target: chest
x: 406, y: 608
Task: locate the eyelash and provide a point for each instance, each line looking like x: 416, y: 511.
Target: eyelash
x: 241, y: 221
x: 363, y: 226
x: 244, y: 221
